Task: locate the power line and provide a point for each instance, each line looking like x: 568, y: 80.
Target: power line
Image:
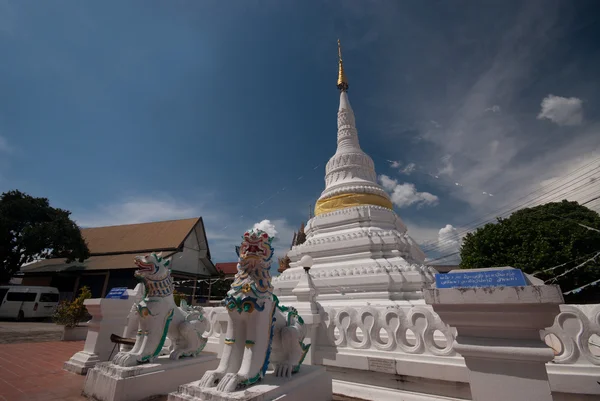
x: 478, y: 221
x: 593, y: 258
x: 538, y: 211
x: 542, y: 188
x: 551, y: 194
x: 544, y: 198
x: 563, y: 264
x: 578, y: 289
x: 591, y: 200
x: 442, y: 257
x: 446, y: 244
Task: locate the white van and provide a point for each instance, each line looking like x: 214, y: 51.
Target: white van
x: 27, y: 302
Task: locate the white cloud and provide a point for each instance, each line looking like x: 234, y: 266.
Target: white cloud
x: 449, y: 240
x: 4, y: 146
x: 562, y: 110
x: 409, y: 168
x: 266, y: 226
x: 387, y: 182
x: 447, y: 167
x: 422, y: 234
x: 494, y: 109
x: 405, y: 194
x: 283, y: 234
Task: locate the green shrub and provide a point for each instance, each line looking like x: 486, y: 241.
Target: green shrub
x: 71, y: 313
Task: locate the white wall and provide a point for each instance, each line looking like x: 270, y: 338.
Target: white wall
x: 194, y: 250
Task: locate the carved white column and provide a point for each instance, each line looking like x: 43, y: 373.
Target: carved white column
x: 499, y: 337
x: 109, y: 316
x: 306, y: 294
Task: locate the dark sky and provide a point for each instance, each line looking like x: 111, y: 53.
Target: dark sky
x: 148, y: 110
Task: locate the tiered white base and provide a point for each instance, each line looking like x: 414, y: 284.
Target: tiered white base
x: 108, y: 382
x: 360, y: 253
x: 311, y: 383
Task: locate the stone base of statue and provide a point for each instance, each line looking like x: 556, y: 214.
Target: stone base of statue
x: 109, y: 382
x: 311, y: 383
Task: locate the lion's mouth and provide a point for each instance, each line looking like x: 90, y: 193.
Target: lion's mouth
x: 143, y: 266
x: 254, y: 251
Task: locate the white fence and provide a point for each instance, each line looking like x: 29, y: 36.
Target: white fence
x: 420, y: 343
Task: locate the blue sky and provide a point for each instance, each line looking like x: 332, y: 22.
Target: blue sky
x: 137, y: 111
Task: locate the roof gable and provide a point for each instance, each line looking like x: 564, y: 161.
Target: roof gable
x: 227, y: 268
x: 138, y: 238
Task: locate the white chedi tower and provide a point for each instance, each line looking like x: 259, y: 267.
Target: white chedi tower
x: 360, y: 248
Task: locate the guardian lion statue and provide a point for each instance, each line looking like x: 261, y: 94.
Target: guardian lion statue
x: 160, y: 318
x: 259, y: 330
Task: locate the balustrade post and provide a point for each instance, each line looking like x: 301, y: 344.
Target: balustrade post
x: 109, y: 316
x: 307, y: 307
x: 498, y: 334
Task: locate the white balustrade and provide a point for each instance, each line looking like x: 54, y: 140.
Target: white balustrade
x: 419, y: 330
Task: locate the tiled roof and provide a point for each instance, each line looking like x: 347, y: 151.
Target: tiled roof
x: 135, y: 238
x: 104, y: 262
x: 114, y: 247
x: 228, y: 268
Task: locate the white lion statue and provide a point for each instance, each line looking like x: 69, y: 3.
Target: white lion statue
x: 160, y: 318
x: 259, y: 330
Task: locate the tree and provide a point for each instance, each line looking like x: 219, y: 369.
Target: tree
x: 535, y: 239
x: 31, y: 229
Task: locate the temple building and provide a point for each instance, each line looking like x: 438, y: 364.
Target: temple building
x: 358, y: 244
x: 299, y: 238
x: 112, y: 251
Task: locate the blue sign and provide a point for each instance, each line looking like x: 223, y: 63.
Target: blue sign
x: 118, y: 293
x: 481, y: 278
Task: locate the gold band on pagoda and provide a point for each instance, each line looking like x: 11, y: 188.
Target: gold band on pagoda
x: 350, y: 200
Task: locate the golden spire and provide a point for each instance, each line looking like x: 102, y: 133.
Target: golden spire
x: 342, y: 82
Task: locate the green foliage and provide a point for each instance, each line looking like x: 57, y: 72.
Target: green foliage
x: 178, y: 296
x: 70, y: 313
x: 30, y: 229
x: 534, y: 239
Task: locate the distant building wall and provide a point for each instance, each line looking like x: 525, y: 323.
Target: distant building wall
x: 190, y: 259
x: 44, y: 280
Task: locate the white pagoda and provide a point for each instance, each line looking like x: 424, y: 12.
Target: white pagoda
x: 360, y: 248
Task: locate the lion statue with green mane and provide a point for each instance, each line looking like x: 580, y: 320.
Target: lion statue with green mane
x: 260, y: 331
x: 160, y: 318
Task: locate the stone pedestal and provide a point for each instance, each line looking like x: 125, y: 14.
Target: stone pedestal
x: 498, y: 334
x: 77, y: 333
x: 109, y: 382
x: 311, y: 383
x: 109, y: 316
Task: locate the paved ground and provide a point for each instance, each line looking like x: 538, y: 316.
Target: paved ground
x: 21, y: 332
x: 33, y: 372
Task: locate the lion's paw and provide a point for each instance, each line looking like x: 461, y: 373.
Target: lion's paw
x: 210, y: 378
x: 175, y: 355
x: 284, y: 370
x: 125, y: 359
x: 120, y: 356
x: 229, y: 383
